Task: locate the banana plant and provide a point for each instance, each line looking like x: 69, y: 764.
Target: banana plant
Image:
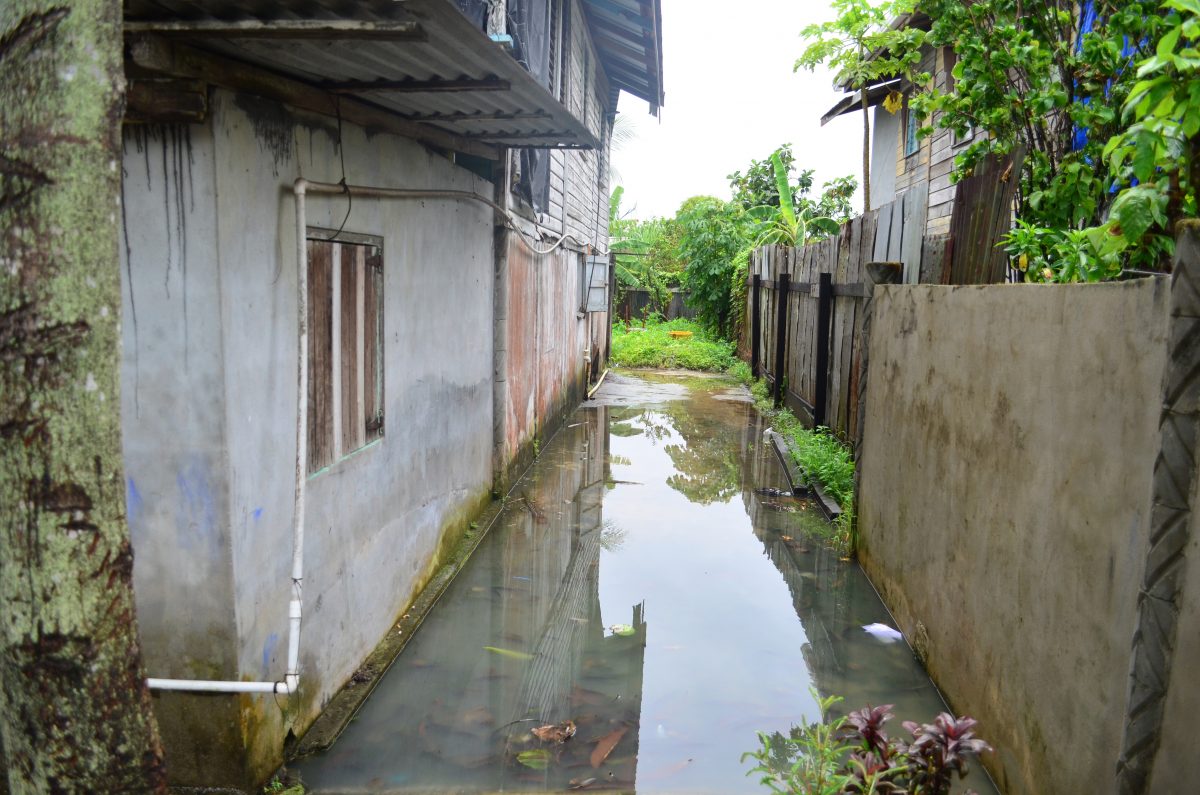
x: 787, y: 224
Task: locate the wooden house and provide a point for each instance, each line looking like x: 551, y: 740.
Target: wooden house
x: 901, y: 162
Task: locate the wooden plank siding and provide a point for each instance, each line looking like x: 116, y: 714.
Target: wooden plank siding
x: 579, y: 183
x: 933, y: 162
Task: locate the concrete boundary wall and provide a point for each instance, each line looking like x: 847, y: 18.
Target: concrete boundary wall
x: 1010, y: 438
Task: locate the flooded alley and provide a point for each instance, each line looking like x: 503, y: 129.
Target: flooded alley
x: 646, y: 587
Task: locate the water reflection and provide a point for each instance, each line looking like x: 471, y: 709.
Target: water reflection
x: 647, y: 509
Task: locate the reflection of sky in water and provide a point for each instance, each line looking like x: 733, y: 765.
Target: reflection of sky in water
x: 723, y: 643
x: 742, y: 616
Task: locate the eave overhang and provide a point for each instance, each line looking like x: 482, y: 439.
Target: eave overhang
x: 421, y: 62
x: 628, y: 38
x: 853, y: 101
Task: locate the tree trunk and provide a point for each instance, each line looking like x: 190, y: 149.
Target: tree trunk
x: 866, y: 152
x: 74, y: 709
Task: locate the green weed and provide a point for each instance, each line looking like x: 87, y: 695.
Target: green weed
x: 822, y: 457
x: 653, y: 346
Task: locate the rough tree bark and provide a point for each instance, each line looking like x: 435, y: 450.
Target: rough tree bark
x: 74, y: 710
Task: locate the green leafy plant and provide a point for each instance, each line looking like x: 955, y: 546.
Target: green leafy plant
x: 713, y: 233
x: 861, y: 46
x: 646, y: 254
x: 1158, y: 154
x: 809, y: 760
x: 1051, y: 80
x: 788, y: 222
x: 854, y: 754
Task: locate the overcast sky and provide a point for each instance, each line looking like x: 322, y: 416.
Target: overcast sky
x: 731, y: 97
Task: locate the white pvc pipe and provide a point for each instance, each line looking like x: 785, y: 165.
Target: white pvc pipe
x: 423, y: 193
x: 291, y: 679
x: 204, y: 686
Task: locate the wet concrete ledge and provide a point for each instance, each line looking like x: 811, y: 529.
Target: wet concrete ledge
x: 797, y: 480
x: 337, y: 714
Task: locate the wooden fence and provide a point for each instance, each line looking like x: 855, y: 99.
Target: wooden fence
x: 806, y: 323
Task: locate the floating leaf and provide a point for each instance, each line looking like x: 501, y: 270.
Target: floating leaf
x: 555, y: 733
x: 536, y: 759
x: 509, y: 653
x: 624, y: 630
x: 606, y: 745
x: 581, y: 783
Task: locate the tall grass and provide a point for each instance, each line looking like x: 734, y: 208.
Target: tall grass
x: 653, y: 346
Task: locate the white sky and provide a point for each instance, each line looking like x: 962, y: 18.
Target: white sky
x: 731, y: 97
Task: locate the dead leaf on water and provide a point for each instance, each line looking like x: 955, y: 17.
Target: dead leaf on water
x: 606, y: 745
x: 668, y: 770
x: 555, y: 733
x: 580, y: 783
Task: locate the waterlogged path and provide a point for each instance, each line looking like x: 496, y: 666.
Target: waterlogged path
x: 645, y: 585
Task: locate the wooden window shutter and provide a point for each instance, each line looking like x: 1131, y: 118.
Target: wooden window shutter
x: 320, y: 355
x: 345, y: 348
x: 373, y: 346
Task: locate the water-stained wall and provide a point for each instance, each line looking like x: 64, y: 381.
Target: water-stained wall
x: 1010, y: 437
x: 546, y: 344
x: 209, y: 411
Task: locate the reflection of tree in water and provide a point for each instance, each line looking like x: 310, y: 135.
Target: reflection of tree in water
x: 639, y: 422
x: 707, y: 463
x: 612, y: 536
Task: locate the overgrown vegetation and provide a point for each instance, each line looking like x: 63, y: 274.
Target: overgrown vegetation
x: 705, y: 247
x: 860, y: 47
x: 1052, y: 79
x: 854, y: 754
x: 653, y: 345
x: 1102, y: 97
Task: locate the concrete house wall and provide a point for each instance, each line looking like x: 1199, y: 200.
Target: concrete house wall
x: 209, y: 402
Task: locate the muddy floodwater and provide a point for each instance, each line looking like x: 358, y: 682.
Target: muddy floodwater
x: 648, y: 584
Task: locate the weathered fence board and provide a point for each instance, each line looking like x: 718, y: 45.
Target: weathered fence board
x: 982, y: 214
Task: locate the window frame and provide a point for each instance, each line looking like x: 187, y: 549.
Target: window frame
x: 332, y: 335
x: 912, y: 142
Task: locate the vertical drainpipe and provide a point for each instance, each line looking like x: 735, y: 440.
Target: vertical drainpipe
x: 500, y: 335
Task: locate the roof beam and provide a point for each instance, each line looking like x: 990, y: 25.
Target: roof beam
x: 159, y: 55
x: 408, y: 86
x: 322, y: 29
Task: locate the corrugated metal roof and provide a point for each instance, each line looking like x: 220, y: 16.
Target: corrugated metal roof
x: 628, y: 36
x: 492, y: 99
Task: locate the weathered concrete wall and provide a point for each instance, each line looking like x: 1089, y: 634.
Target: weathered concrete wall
x: 174, y: 435
x: 209, y: 409
x: 1010, y: 439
